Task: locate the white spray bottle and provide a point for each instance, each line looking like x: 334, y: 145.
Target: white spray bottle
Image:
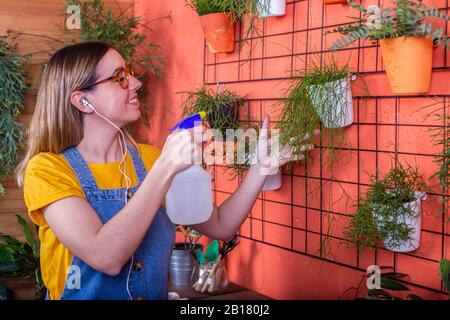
x: 189, y: 198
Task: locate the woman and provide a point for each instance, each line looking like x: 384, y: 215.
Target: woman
x: 95, y: 245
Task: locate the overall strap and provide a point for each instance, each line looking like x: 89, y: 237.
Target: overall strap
x: 80, y: 168
x: 138, y: 164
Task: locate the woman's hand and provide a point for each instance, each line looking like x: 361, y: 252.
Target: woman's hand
x: 182, y: 149
x: 271, y: 155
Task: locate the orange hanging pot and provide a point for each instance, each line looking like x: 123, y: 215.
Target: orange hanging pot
x: 335, y: 1
x: 218, y: 29
x: 408, y: 62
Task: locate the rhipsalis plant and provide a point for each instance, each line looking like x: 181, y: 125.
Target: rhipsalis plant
x: 12, y: 86
x: 299, y: 118
x: 405, y: 18
x: 386, y: 198
x: 221, y: 107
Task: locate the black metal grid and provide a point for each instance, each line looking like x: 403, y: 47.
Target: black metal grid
x: 258, y: 223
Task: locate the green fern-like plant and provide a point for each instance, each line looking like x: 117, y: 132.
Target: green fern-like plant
x: 405, y: 18
x: 12, y: 86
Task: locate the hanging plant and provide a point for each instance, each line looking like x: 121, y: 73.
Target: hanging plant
x: 218, y: 19
x: 391, y: 211
x: 121, y: 30
x: 406, y: 40
x: 320, y: 94
x: 12, y: 86
x: 221, y: 107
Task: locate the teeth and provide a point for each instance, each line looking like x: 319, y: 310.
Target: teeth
x: 133, y: 100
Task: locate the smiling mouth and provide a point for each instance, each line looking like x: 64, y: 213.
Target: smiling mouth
x: 134, y: 100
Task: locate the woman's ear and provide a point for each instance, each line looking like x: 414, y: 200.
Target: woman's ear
x: 75, y: 99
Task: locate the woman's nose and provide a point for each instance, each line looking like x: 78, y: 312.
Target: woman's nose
x: 134, y: 83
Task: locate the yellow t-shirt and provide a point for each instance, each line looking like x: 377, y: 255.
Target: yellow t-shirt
x: 48, y: 178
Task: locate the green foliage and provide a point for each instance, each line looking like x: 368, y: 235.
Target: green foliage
x: 237, y: 8
x: 299, y: 117
x: 191, y: 236
x: 221, y: 107
x: 20, y: 258
x: 204, y: 7
x: 405, y: 19
x: 12, y: 86
x: 387, y: 198
x: 122, y: 31
x: 245, y: 11
x: 388, y: 281
x: 444, y: 271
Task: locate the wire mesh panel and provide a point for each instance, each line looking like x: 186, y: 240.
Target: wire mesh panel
x: 310, y: 213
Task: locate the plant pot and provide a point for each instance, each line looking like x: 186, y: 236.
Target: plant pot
x: 218, y: 29
x: 273, y: 182
x: 22, y: 288
x: 183, y: 265
x: 408, y: 62
x: 271, y: 8
x: 333, y: 103
x: 412, y: 221
x: 335, y: 1
x: 225, y: 114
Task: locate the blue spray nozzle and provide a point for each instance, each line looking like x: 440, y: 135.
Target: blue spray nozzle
x: 190, y: 121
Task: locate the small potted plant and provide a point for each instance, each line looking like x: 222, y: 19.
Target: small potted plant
x: 183, y: 266
x: 271, y: 8
x: 221, y: 107
x: 218, y: 19
x: 390, y: 281
x: 406, y: 41
x: 391, y: 211
x: 319, y: 94
x: 20, y: 261
x: 217, y: 23
x: 330, y: 92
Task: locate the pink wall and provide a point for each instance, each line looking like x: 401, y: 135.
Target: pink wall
x: 281, y: 237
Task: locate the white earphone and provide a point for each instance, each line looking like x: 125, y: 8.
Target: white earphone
x: 85, y: 102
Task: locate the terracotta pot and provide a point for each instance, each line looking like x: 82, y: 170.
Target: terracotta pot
x: 408, y: 62
x: 218, y: 29
x: 335, y: 1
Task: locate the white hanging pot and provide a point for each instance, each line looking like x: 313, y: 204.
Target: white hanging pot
x: 271, y: 8
x: 333, y: 102
x: 273, y: 182
x: 413, y: 221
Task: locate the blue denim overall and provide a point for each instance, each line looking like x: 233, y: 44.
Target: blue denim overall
x: 148, y: 278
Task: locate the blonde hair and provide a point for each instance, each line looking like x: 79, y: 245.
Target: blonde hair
x: 56, y: 124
